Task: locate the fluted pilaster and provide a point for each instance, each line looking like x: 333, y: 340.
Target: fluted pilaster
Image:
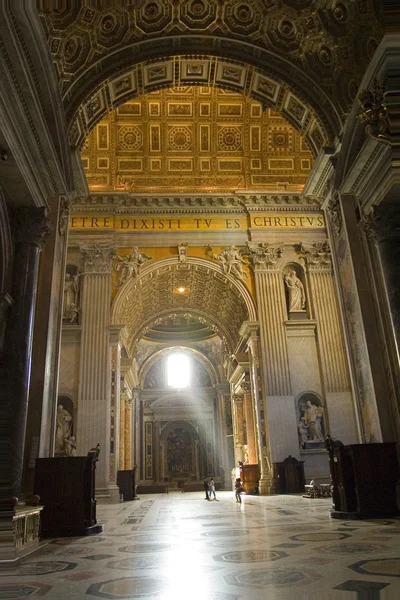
x: 128, y: 434
x: 122, y: 430
x: 95, y: 374
x: 249, y: 416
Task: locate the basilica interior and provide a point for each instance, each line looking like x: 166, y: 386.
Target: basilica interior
x: 200, y: 268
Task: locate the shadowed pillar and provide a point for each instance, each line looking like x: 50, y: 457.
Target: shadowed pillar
x: 249, y: 416
x: 31, y: 230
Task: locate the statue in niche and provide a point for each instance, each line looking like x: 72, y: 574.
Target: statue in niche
x: 313, y: 419
x: 63, y: 429
x: 182, y: 252
x: 303, y: 433
x: 297, y: 297
x: 71, y: 289
x: 130, y: 266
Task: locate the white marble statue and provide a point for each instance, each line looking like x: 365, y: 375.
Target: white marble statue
x: 297, y: 297
x: 231, y: 261
x: 63, y: 429
x: 130, y: 266
x: 311, y: 417
x: 70, y: 446
x: 70, y: 294
x: 303, y: 432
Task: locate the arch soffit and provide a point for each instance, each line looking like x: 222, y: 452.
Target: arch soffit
x: 198, y: 355
x: 215, y: 297
x: 299, y: 100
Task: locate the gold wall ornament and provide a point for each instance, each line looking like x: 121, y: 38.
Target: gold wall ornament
x: 373, y: 112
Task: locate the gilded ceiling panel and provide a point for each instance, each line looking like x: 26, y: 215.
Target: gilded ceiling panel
x: 195, y: 139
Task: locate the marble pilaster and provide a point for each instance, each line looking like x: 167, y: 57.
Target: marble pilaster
x: 40, y: 433
x: 138, y: 416
x: 122, y: 399
x: 249, y: 416
x: 335, y: 376
x: 128, y: 433
x: 31, y: 230
x: 227, y: 460
x: 94, y: 410
x: 114, y: 405
x: 383, y: 226
x: 237, y: 403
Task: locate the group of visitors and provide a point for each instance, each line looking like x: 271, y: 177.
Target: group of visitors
x: 209, y: 488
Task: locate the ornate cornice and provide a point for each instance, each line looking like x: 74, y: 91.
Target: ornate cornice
x: 97, y: 257
x: 32, y: 226
x: 316, y: 257
x: 263, y: 255
x: 382, y: 223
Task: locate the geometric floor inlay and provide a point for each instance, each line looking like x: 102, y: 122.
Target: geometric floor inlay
x: 128, y: 587
x: 364, y: 589
x: 144, y: 562
x: 248, y: 556
x: 351, y: 548
x: 389, y: 567
x: 146, y: 548
x: 23, y: 590
x: 319, y: 537
x: 276, y: 577
x: 45, y: 567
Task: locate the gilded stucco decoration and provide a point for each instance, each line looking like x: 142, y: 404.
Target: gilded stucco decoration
x: 298, y: 56
x: 211, y: 297
x: 195, y: 138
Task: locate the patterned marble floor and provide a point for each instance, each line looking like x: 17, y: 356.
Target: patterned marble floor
x: 181, y: 547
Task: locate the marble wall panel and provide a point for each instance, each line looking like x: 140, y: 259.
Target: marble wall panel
x: 283, y: 434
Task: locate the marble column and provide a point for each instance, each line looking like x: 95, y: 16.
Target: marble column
x: 249, y: 416
x: 122, y: 399
x: 227, y: 460
x: 383, y: 226
x: 266, y: 484
x: 156, y: 451
x: 40, y: 433
x: 237, y: 402
x: 137, y: 427
x: 93, y: 418
x: 31, y: 228
x: 128, y: 433
x: 115, y: 465
x: 339, y: 417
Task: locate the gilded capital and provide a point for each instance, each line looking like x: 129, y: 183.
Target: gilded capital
x: 246, y: 387
x: 97, y: 257
x: 317, y: 256
x: 335, y: 215
x: 263, y: 255
x: 382, y: 223
x: 32, y: 226
x: 237, y: 398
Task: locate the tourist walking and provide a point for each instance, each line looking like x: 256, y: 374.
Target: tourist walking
x: 238, y: 490
x: 211, y: 486
x: 206, y: 488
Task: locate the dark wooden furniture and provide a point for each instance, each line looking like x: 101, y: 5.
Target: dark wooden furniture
x: 289, y: 476
x: 161, y: 488
x: 250, y: 478
x: 127, y: 484
x: 364, y: 480
x: 66, y: 486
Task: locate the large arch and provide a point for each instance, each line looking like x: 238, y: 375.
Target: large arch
x: 219, y: 299
x: 323, y: 44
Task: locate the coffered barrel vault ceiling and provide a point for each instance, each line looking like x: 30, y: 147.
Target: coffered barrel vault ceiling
x: 210, y: 297
x: 315, y: 49
x: 195, y: 138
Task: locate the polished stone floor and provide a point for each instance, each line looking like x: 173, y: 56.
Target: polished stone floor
x: 181, y: 547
